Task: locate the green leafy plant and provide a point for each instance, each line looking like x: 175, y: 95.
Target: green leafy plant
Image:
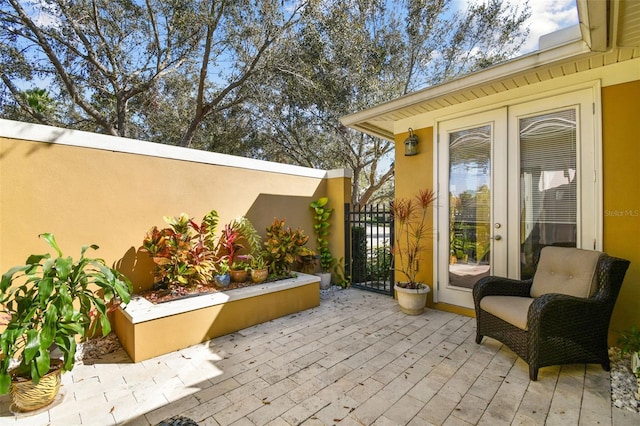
x: 629, y: 340
x: 240, y: 265
x: 321, y: 226
x: 412, y: 233
x: 184, y: 254
x: 258, y: 262
x: 342, y: 279
x: 282, y: 245
x: 239, y: 236
x: 222, y: 267
x: 52, y: 300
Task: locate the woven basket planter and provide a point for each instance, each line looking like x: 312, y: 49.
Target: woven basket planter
x: 29, y: 397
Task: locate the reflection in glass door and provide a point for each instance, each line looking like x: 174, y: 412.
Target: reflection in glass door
x: 469, y: 205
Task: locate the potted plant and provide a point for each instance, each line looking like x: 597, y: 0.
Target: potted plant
x: 221, y: 275
x: 321, y: 216
x: 282, y: 245
x: 412, y: 239
x: 239, y: 270
x: 49, y: 302
x: 259, y: 271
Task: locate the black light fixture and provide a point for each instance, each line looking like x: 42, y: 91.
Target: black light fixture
x: 411, y: 144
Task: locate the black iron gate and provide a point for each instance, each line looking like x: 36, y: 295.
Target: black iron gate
x: 368, y: 239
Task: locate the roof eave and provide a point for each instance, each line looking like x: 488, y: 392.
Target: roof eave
x: 361, y: 120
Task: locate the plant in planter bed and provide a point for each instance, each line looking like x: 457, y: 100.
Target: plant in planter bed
x: 259, y: 268
x: 221, y: 274
x: 412, y: 239
x: 282, y: 245
x: 184, y: 253
x: 48, y: 303
x: 237, y: 238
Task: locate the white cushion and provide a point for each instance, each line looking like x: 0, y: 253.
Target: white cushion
x: 512, y: 309
x: 563, y: 270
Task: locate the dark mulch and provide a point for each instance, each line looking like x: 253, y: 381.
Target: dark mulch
x: 183, y: 292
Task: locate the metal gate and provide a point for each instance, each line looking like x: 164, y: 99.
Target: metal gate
x: 368, y: 240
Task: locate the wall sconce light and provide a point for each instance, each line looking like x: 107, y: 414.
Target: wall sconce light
x: 411, y: 144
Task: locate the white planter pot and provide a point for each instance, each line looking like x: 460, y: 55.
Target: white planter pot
x: 412, y: 301
x: 325, y: 280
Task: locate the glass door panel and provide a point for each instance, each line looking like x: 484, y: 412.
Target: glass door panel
x: 548, y: 182
x: 472, y: 204
x: 469, y: 205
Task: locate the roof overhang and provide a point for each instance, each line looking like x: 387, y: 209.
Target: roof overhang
x: 610, y: 33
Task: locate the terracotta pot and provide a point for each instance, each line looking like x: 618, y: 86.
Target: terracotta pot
x: 259, y: 275
x: 412, y: 301
x: 29, y: 397
x: 239, y: 276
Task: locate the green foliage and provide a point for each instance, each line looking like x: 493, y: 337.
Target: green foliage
x: 51, y: 300
x: 282, y: 246
x: 258, y: 262
x: 379, y: 266
x: 321, y: 226
x: 342, y: 279
x: 184, y: 254
x: 359, y: 253
x: 238, y: 236
x: 629, y: 340
x: 268, y: 82
x: 188, y: 254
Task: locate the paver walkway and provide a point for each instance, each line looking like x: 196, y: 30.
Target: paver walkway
x: 354, y: 360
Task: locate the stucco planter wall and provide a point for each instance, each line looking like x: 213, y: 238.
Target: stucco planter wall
x: 146, y: 330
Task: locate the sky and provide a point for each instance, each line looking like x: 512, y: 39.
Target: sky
x: 547, y: 16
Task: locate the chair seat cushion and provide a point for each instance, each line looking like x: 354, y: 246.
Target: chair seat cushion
x: 512, y: 309
x: 569, y: 271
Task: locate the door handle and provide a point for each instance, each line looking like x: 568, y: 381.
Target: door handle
x: 497, y: 237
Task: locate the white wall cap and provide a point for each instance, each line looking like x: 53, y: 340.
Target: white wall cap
x: 48, y: 134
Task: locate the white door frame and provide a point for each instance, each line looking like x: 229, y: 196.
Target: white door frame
x: 587, y: 100
x: 496, y: 118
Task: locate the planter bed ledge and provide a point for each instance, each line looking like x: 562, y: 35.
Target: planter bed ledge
x: 147, y: 330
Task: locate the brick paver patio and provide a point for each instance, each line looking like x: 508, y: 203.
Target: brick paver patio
x: 354, y: 360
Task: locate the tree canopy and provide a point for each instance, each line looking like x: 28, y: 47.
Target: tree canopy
x: 267, y: 79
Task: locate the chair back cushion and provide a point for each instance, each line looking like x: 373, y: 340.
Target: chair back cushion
x: 569, y: 271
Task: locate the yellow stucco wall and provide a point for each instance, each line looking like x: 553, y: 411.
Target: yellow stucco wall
x: 112, y: 198
x: 339, y: 193
x: 621, y: 199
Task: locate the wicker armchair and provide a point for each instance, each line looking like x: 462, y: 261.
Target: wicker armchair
x: 541, y: 320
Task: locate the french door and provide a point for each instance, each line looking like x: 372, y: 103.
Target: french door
x: 511, y: 181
